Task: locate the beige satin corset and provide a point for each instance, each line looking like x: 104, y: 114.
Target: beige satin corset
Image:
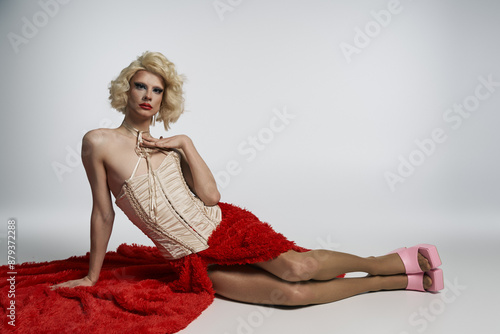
x: 161, y: 204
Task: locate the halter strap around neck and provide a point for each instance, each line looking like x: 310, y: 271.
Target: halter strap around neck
x: 140, y: 151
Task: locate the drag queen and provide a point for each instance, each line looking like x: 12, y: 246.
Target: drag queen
x: 165, y: 188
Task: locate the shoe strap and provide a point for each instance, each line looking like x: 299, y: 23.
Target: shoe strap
x: 415, y: 282
x: 409, y: 256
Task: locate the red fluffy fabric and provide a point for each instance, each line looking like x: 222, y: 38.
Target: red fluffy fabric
x: 138, y: 290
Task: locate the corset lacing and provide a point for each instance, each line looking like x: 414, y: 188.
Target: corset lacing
x: 145, y: 152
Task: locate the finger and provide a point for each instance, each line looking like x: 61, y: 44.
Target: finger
x: 148, y: 143
x: 149, y: 140
x: 165, y: 143
x: 144, y: 143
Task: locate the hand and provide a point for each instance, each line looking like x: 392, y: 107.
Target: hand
x: 178, y: 141
x: 73, y: 283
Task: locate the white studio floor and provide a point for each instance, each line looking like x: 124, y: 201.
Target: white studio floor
x: 470, y: 302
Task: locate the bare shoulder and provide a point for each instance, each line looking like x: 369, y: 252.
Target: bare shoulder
x: 95, y: 141
x: 96, y: 136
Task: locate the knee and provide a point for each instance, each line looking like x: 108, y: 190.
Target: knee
x: 217, y: 275
x: 373, y: 265
x: 294, y: 294
x: 300, y: 267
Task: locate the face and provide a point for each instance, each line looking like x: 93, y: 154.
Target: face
x: 145, y: 93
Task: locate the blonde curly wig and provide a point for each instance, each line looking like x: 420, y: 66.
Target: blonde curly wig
x: 172, y: 105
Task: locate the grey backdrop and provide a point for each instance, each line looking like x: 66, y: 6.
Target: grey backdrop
x: 359, y: 126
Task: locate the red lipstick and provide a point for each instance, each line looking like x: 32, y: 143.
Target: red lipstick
x: 145, y: 106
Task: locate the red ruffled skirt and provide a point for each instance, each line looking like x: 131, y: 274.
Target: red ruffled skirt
x: 242, y: 238
x: 138, y: 290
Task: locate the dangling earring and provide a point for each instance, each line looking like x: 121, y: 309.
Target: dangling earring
x: 153, y: 119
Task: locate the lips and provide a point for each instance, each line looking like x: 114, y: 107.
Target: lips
x: 145, y: 106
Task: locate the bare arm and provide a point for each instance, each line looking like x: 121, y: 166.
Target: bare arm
x: 196, y: 172
x: 102, y: 216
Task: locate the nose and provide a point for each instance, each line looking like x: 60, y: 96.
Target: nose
x: 147, y: 95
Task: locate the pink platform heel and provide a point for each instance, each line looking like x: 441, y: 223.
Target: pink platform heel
x: 409, y: 256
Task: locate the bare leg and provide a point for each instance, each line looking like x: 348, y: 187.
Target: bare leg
x: 326, y: 264
x: 249, y: 284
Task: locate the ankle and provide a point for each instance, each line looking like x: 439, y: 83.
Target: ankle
x: 394, y: 282
x: 380, y: 265
x: 390, y: 264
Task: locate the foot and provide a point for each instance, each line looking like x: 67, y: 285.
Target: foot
x: 419, y: 258
x: 427, y: 282
x: 400, y: 282
x: 419, y: 282
x: 391, y: 264
x: 423, y: 263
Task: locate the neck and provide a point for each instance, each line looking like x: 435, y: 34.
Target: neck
x: 135, y: 125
